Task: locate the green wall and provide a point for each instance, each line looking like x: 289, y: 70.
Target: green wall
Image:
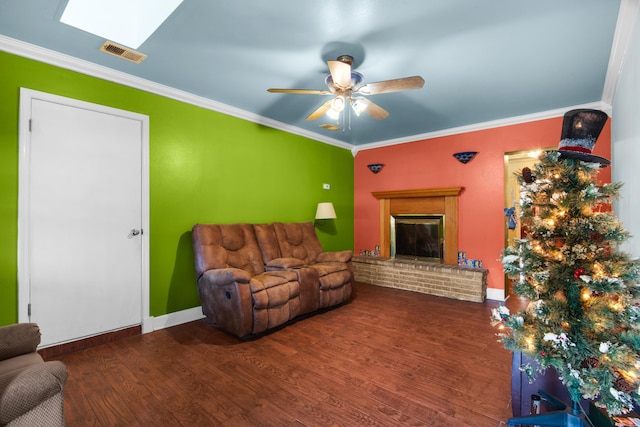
x: 204, y: 167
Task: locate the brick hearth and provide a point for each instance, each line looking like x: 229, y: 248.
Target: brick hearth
x: 452, y: 281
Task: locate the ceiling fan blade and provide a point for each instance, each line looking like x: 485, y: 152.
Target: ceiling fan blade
x: 301, y: 91
x: 374, y: 110
x: 395, y: 85
x: 320, y: 111
x: 340, y: 73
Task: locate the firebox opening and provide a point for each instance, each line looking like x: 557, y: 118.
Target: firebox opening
x: 418, y: 237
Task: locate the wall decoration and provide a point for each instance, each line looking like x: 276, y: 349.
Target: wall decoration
x: 375, y: 167
x: 510, y: 213
x: 465, y: 156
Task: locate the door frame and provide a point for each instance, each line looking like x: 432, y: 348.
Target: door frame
x: 520, y: 158
x: 24, y: 140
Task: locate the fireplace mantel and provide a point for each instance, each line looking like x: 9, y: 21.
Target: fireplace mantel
x: 425, y: 201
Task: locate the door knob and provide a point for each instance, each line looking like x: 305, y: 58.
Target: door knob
x: 134, y: 232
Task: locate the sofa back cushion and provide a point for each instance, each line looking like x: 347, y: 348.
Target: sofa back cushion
x: 268, y: 242
x: 298, y: 240
x: 226, y: 246
x: 17, y: 339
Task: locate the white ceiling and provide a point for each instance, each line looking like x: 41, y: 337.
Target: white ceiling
x: 483, y: 61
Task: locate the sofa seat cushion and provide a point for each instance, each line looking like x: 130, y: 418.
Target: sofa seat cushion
x: 335, y: 296
x: 336, y: 279
x: 19, y: 362
x: 276, y: 299
x: 270, y: 290
x: 325, y: 268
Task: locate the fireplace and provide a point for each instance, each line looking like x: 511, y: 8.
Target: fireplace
x: 444, y: 278
x: 420, y: 208
x: 419, y: 237
x: 429, y: 202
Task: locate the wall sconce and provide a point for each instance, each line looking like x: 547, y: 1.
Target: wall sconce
x: 375, y: 167
x: 465, y: 156
x: 325, y: 210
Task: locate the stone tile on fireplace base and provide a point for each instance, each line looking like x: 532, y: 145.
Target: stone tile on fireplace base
x: 452, y: 281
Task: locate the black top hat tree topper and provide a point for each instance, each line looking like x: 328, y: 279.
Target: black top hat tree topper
x: 580, y: 130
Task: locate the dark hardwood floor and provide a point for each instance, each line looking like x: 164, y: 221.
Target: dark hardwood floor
x: 389, y: 358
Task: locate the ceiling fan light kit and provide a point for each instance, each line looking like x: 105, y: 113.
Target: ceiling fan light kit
x: 358, y: 105
x: 344, y: 85
x: 337, y: 104
x: 332, y: 114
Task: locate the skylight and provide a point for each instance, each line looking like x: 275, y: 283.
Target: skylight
x: 128, y: 22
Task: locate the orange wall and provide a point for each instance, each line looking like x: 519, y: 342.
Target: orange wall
x: 430, y: 164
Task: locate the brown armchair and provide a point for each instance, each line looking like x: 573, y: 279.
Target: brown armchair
x: 236, y: 292
x: 298, y: 246
x: 31, y: 390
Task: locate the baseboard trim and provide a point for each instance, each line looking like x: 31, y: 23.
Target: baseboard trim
x: 495, y: 294
x: 54, y: 351
x: 173, y: 319
x: 149, y: 324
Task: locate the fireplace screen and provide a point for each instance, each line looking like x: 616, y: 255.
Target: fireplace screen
x: 418, y: 237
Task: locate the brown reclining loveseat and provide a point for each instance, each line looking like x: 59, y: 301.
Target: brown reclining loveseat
x: 254, y: 277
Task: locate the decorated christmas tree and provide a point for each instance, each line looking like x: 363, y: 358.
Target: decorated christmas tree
x: 582, y: 313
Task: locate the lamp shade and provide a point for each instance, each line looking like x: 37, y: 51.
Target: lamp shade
x: 325, y: 211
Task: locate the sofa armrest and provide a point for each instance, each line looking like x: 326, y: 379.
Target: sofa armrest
x: 25, y: 389
x: 225, y: 296
x: 341, y: 256
x: 284, y: 263
x: 224, y: 276
x: 21, y: 338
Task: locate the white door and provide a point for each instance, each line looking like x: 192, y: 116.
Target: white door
x: 82, y: 217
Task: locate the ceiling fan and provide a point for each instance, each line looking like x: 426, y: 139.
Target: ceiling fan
x: 347, y: 87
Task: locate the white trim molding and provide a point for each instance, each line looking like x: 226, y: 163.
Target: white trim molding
x: 559, y: 112
x: 627, y: 17
x: 17, y: 47
x: 172, y: 319
x: 495, y: 294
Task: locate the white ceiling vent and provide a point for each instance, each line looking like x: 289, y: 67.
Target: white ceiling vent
x: 123, y: 52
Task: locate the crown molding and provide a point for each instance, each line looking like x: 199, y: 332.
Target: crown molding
x: 47, y: 56
x: 559, y: 112
x: 27, y: 50
x: 627, y: 16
